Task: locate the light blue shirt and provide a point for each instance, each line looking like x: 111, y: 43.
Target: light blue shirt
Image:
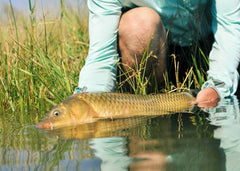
x: 186, y: 20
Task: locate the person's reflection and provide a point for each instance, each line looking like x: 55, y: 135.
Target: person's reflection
x: 127, y: 153
x: 163, y: 150
x: 227, y: 116
x: 166, y: 150
x: 146, y: 159
x: 113, y: 153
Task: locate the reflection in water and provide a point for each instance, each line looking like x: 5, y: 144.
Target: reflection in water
x: 113, y: 153
x: 227, y: 117
x: 110, y: 152
x: 188, y: 147
x: 103, y: 128
x: 198, y: 141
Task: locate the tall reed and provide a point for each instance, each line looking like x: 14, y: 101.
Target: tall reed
x: 40, y: 60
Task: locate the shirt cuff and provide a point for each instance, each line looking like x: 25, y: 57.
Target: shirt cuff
x: 218, y: 86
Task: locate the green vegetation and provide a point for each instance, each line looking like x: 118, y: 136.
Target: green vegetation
x: 41, y: 59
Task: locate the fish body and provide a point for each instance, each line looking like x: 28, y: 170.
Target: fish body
x: 90, y: 107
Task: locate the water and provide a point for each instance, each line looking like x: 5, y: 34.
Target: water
x: 205, y: 140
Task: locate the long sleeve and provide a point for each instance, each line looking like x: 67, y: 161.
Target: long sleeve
x: 99, y: 71
x: 225, y: 54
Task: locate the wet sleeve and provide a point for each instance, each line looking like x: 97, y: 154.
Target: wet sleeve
x: 99, y: 71
x: 225, y: 54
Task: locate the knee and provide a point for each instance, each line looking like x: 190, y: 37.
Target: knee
x: 137, y: 28
x: 140, y: 23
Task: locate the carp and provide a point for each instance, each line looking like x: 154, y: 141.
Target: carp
x: 89, y: 107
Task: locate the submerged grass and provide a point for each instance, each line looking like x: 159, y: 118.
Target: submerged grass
x: 40, y: 61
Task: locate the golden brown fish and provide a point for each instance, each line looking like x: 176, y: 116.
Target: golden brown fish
x: 89, y: 107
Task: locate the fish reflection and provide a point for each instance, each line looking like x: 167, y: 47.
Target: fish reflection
x: 108, y: 139
x: 103, y: 128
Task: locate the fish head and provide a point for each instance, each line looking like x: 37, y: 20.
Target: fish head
x: 70, y: 112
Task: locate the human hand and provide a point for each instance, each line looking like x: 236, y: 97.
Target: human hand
x: 207, y: 97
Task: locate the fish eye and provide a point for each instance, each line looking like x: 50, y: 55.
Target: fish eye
x: 56, y: 113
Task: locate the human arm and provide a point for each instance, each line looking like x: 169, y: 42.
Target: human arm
x: 225, y: 54
x: 99, y: 71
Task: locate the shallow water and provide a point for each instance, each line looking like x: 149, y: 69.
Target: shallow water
x: 208, y: 139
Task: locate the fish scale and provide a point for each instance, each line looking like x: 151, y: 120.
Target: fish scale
x: 114, y: 105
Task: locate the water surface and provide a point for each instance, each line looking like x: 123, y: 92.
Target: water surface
x: 208, y: 139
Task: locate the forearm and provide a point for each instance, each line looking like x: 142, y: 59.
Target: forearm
x: 225, y: 54
x: 99, y: 71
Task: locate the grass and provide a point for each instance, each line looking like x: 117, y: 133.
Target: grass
x: 176, y: 78
x: 40, y: 61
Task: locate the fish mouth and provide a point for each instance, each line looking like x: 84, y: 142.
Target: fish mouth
x: 45, y: 125
x: 50, y: 125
